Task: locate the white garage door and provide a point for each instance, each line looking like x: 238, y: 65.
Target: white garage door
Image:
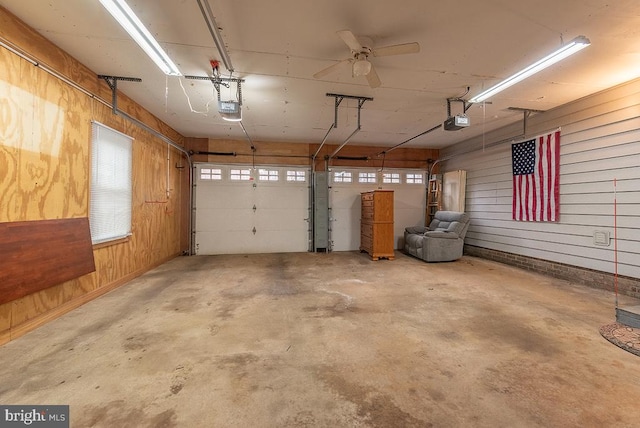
x: 240, y: 210
x: 344, y: 199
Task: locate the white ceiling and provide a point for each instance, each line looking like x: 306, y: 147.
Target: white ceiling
x: 277, y: 46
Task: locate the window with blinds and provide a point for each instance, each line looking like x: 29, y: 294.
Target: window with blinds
x: 111, y: 189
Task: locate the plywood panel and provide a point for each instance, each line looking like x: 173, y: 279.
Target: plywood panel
x: 287, y: 153
x: 398, y: 158
x: 5, y: 320
x: 46, y: 159
x: 267, y: 152
x: 44, y: 171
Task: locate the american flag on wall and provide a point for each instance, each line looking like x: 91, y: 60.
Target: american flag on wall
x: 536, y: 171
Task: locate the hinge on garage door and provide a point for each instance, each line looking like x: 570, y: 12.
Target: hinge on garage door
x: 254, y: 230
x: 254, y: 208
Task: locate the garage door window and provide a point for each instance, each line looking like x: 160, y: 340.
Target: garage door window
x: 210, y: 174
x: 367, y: 177
x: 111, y: 190
x: 342, y: 177
x: 414, y: 178
x: 296, y: 176
x: 391, y: 178
x: 268, y: 175
x: 240, y: 175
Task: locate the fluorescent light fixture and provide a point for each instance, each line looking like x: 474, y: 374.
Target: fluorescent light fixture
x: 570, y: 48
x: 121, y: 11
x: 207, y: 14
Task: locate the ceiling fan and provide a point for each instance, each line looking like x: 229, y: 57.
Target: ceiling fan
x: 359, y: 60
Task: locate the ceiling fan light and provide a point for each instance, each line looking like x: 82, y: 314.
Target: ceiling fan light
x: 361, y: 67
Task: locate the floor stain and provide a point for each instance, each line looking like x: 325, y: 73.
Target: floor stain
x: 503, y: 329
x: 141, y: 341
x: 214, y: 329
x: 179, y: 377
x: 237, y: 360
x: 374, y: 408
x: 417, y: 344
x: 117, y: 414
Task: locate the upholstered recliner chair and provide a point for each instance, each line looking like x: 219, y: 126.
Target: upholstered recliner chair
x: 442, y: 241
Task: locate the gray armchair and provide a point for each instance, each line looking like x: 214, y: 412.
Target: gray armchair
x: 442, y: 241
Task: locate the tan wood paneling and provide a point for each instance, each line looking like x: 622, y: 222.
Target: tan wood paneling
x: 399, y: 158
x: 48, y: 156
x: 45, y: 171
x: 287, y: 153
x: 267, y: 153
x: 5, y: 322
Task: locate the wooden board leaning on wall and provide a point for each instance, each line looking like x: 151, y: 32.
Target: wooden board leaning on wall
x: 35, y: 255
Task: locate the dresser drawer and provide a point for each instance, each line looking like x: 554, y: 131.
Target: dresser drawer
x: 367, y: 214
x: 366, y: 244
x: 366, y: 229
x: 367, y: 196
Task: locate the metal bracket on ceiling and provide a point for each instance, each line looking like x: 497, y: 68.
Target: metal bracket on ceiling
x: 112, y: 81
x: 338, y: 100
x: 526, y: 112
x: 224, y: 81
x: 465, y: 105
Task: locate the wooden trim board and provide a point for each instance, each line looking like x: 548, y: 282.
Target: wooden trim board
x: 51, y: 315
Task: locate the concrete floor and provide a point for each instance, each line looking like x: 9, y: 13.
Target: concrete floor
x: 331, y: 340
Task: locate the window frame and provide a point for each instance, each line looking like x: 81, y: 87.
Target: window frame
x: 413, y: 177
x: 111, y: 185
x: 367, y: 177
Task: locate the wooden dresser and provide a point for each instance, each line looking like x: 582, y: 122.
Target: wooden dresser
x: 376, y: 224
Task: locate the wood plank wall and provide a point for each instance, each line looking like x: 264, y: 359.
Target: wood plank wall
x: 45, y: 171
x: 600, y: 142
x: 283, y: 153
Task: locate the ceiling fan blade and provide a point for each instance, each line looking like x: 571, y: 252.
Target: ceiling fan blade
x: 373, y: 79
x: 320, y: 74
x: 405, y: 48
x: 351, y: 40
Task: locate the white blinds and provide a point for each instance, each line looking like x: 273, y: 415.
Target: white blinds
x: 111, y: 189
